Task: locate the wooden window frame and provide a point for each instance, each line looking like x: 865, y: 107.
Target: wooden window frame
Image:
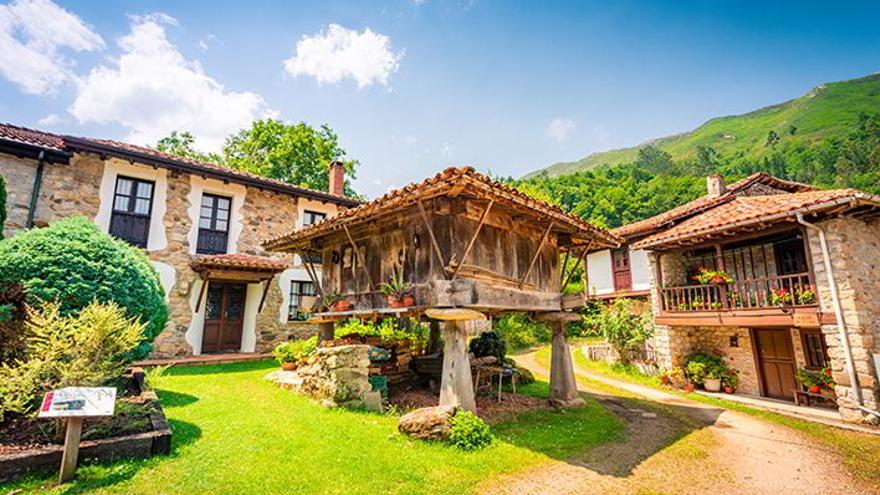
x: 116, y: 214
x: 293, y: 310
x: 213, y: 219
x: 311, y: 215
x: 805, y: 346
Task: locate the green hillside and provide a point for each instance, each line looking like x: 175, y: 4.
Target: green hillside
x: 826, y: 111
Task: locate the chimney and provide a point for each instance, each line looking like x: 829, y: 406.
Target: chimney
x: 715, y: 185
x: 337, y: 178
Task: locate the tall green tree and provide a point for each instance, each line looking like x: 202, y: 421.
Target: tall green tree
x: 295, y: 153
x: 181, y: 143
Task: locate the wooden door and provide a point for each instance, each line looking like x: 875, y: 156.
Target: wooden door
x: 622, y: 272
x: 224, y: 317
x: 776, y: 362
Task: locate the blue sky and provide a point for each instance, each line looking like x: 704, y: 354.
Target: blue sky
x: 414, y: 86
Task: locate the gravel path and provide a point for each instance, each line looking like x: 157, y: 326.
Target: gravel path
x: 675, y: 445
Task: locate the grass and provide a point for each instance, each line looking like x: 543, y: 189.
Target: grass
x: 235, y: 433
x: 860, y: 452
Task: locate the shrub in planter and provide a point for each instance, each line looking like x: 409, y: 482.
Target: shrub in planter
x: 468, y: 432
x: 74, y: 263
x: 397, y: 292
x: 86, y: 349
x: 700, y: 366
x: 489, y: 344
x: 289, y: 354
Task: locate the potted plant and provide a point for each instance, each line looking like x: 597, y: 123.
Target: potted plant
x: 714, y: 277
x: 701, y: 366
x: 811, y: 380
x: 731, y: 381
x: 292, y: 353
x: 827, y: 379
x: 336, y: 303
x: 805, y: 294
x: 780, y: 297
x: 397, y: 292
x: 714, y: 375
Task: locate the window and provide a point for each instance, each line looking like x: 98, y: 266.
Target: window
x: 132, y: 204
x: 213, y: 224
x: 815, y: 350
x: 298, y: 289
x: 310, y: 217
x: 791, y: 257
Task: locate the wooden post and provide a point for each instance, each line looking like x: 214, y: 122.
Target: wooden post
x: 563, y: 388
x: 456, y: 385
x: 71, y: 449
x: 434, y: 338
x: 325, y: 332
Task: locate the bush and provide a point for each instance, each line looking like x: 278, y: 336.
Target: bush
x: 489, y: 344
x: 519, y: 331
x: 12, y: 313
x: 73, y: 263
x: 468, y: 432
x: 2, y: 205
x: 388, y: 329
x: 295, y: 350
x: 623, y: 328
x: 84, y: 350
x: 700, y: 366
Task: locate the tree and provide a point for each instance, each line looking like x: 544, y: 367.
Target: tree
x: 73, y: 263
x: 180, y: 143
x: 772, y: 139
x: 296, y: 153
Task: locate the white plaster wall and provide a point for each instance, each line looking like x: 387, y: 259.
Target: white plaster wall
x: 251, y: 309
x: 193, y: 334
x: 599, y: 272
x: 213, y: 186
x: 284, y: 280
x: 640, y: 269
x: 113, y: 168
x: 304, y: 204
x: 167, y: 275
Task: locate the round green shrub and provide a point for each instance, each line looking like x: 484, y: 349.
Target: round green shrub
x: 73, y: 263
x: 468, y: 432
x: 489, y: 344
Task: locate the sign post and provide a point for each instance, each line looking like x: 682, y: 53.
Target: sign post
x: 76, y: 404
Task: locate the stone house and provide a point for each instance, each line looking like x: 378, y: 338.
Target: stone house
x: 200, y: 223
x: 800, y: 274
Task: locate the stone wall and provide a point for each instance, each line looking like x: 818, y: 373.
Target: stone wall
x: 335, y: 375
x: 19, y: 174
x: 857, y: 275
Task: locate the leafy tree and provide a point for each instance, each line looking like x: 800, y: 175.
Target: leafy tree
x: 622, y: 327
x: 772, y: 139
x: 73, y: 263
x: 295, y: 153
x: 181, y: 143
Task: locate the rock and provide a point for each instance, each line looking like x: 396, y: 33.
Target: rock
x: 373, y: 401
x: 427, y: 423
x: 567, y: 404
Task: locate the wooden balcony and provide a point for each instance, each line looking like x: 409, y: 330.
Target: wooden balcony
x: 787, y: 300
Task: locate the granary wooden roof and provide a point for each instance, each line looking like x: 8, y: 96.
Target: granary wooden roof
x: 748, y: 213
x: 461, y: 182
x: 703, y: 203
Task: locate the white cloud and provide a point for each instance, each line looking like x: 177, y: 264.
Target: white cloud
x: 560, y: 129
x: 151, y: 89
x: 447, y: 150
x: 32, y: 35
x: 50, y: 120
x: 338, y: 53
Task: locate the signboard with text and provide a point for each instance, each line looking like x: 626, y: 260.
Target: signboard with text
x: 79, y: 402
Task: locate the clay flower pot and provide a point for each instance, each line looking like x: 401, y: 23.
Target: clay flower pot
x: 689, y: 387
x: 815, y: 389
x: 289, y: 366
x: 341, y: 305
x: 728, y: 390
x: 400, y: 302
x: 712, y: 384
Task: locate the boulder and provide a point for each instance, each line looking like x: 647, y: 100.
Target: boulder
x: 427, y: 423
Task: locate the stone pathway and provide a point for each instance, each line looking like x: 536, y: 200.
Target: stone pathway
x: 675, y: 445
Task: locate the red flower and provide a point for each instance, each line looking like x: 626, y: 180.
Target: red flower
x: 827, y: 371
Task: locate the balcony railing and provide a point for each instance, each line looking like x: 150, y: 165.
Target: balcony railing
x: 794, y: 290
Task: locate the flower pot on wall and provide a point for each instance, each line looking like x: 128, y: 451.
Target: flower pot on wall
x: 289, y: 366
x: 815, y: 389
x: 728, y: 390
x: 689, y: 387
x: 712, y: 384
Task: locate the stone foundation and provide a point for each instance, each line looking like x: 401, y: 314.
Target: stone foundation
x: 334, y: 375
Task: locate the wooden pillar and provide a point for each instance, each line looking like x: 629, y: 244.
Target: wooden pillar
x: 325, y: 332
x: 456, y: 385
x: 563, y: 387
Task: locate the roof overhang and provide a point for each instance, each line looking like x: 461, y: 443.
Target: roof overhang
x: 32, y: 151
x: 245, y: 268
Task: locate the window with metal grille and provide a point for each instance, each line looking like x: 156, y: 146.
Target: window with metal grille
x: 815, y: 350
x: 213, y: 224
x: 310, y: 217
x: 132, y: 205
x: 298, y: 289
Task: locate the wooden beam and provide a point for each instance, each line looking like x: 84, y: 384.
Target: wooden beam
x: 470, y: 245
x: 564, y: 266
x: 537, y: 253
x: 313, y: 274
x: 266, y: 286
x: 576, y: 263
x: 436, y: 246
x: 454, y: 314
x: 201, y: 294
x: 361, y: 260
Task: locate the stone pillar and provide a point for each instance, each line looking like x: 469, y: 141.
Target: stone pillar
x: 563, y: 388
x: 325, y: 331
x: 456, y: 385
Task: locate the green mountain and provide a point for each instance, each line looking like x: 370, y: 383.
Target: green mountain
x: 827, y: 111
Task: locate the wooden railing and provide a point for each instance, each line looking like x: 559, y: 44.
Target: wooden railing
x: 765, y: 292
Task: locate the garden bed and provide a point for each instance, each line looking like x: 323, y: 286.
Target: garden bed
x: 138, y: 429
x: 488, y: 407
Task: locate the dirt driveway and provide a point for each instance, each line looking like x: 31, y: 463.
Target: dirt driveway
x: 678, y: 446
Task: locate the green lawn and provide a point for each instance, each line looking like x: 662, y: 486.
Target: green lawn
x: 236, y: 433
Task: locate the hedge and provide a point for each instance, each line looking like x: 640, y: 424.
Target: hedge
x: 74, y: 263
